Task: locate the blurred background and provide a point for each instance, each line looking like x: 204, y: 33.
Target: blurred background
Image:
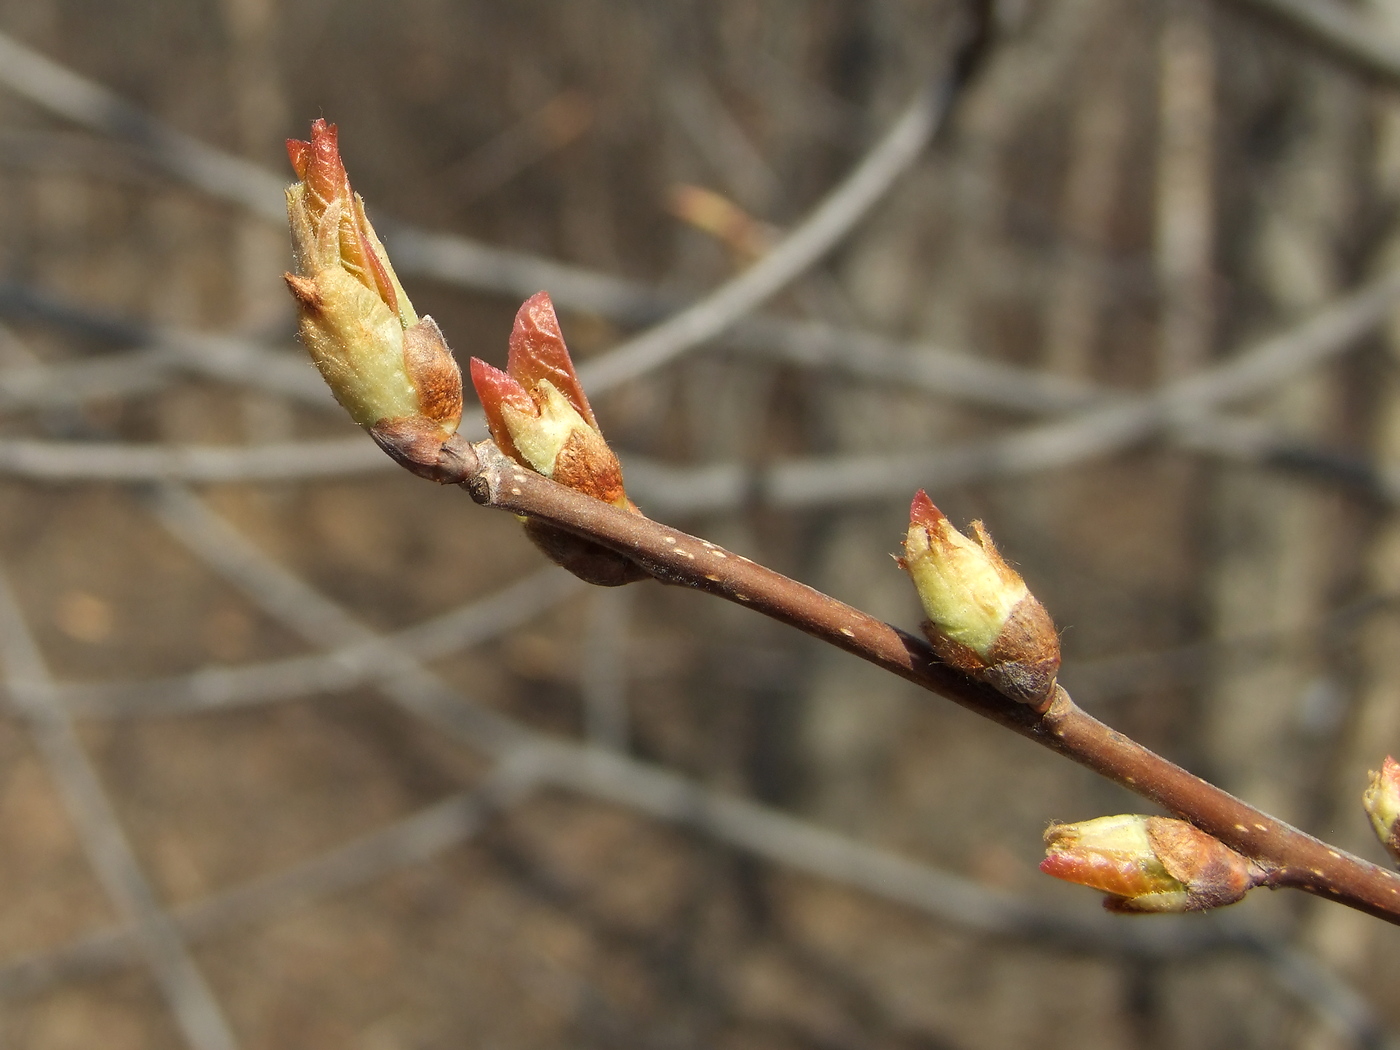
x: 299, y: 751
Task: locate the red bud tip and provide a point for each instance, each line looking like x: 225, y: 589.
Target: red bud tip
x: 299, y: 153
x: 317, y: 163
x: 923, y: 512
x: 495, y: 388
x: 1117, y: 874
x: 537, y: 351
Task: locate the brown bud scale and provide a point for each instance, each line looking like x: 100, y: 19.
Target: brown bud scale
x: 1025, y: 658
x: 587, y: 464
x: 1022, y: 663
x: 304, y: 291
x: 1214, y: 874
x: 433, y: 372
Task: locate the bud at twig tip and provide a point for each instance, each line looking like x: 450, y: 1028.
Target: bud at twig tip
x: 391, y: 370
x: 982, y: 619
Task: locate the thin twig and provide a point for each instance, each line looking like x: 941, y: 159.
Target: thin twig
x: 27, y: 680
x: 1292, y: 858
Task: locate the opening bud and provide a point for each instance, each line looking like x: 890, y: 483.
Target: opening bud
x: 1149, y: 864
x: 1382, y: 803
x: 389, y: 368
x: 539, y: 417
x: 981, y: 617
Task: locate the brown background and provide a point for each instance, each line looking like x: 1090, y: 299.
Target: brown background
x: 1126, y: 193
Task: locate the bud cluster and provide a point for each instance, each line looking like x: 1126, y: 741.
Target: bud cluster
x: 982, y: 619
x: 1148, y: 864
x: 539, y: 417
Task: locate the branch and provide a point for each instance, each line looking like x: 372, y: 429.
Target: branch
x: 1290, y: 857
x: 754, y: 828
x: 1339, y: 32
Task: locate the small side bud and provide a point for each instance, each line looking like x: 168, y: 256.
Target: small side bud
x: 1382, y: 804
x: 722, y: 219
x: 1149, y: 864
x: 981, y: 617
x: 539, y: 417
x: 389, y: 368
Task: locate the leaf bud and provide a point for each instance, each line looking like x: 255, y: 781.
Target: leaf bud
x: 539, y: 416
x: 982, y: 619
x: 1382, y: 804
x: 1149, y: 864
x: 389, y: 368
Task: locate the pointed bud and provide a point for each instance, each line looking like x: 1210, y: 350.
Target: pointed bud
x: 539, y: 417
x: 391, y: 370
x: 1382, y: 803
x: 981, y: 617
x: 722, y: 219
x: 1149, y: 864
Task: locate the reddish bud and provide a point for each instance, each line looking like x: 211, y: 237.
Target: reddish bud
x: 537, y: 412
x: 538, y: 416
x: 1148, y: 864
x: 981, y: 617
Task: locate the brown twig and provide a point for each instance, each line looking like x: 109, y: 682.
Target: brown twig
x: 1290, y: 857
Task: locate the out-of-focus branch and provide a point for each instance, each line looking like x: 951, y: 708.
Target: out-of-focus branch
x: 1121, y: 422
x: 228, y: 177
x: 343, y: 667
x: 1184, y: 405
x: 27, y: 681
x: 1290, y: 857
x: 795, y: 253
x: 65, y: 461
x: 739, y: 823
x: 159, y: 349
x: 1340, y: 32
x: 220, y: 174
x: 412, y: 840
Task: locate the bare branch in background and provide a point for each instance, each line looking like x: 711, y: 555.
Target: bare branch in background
x: 1340, y: 32
x: 31, y: 691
